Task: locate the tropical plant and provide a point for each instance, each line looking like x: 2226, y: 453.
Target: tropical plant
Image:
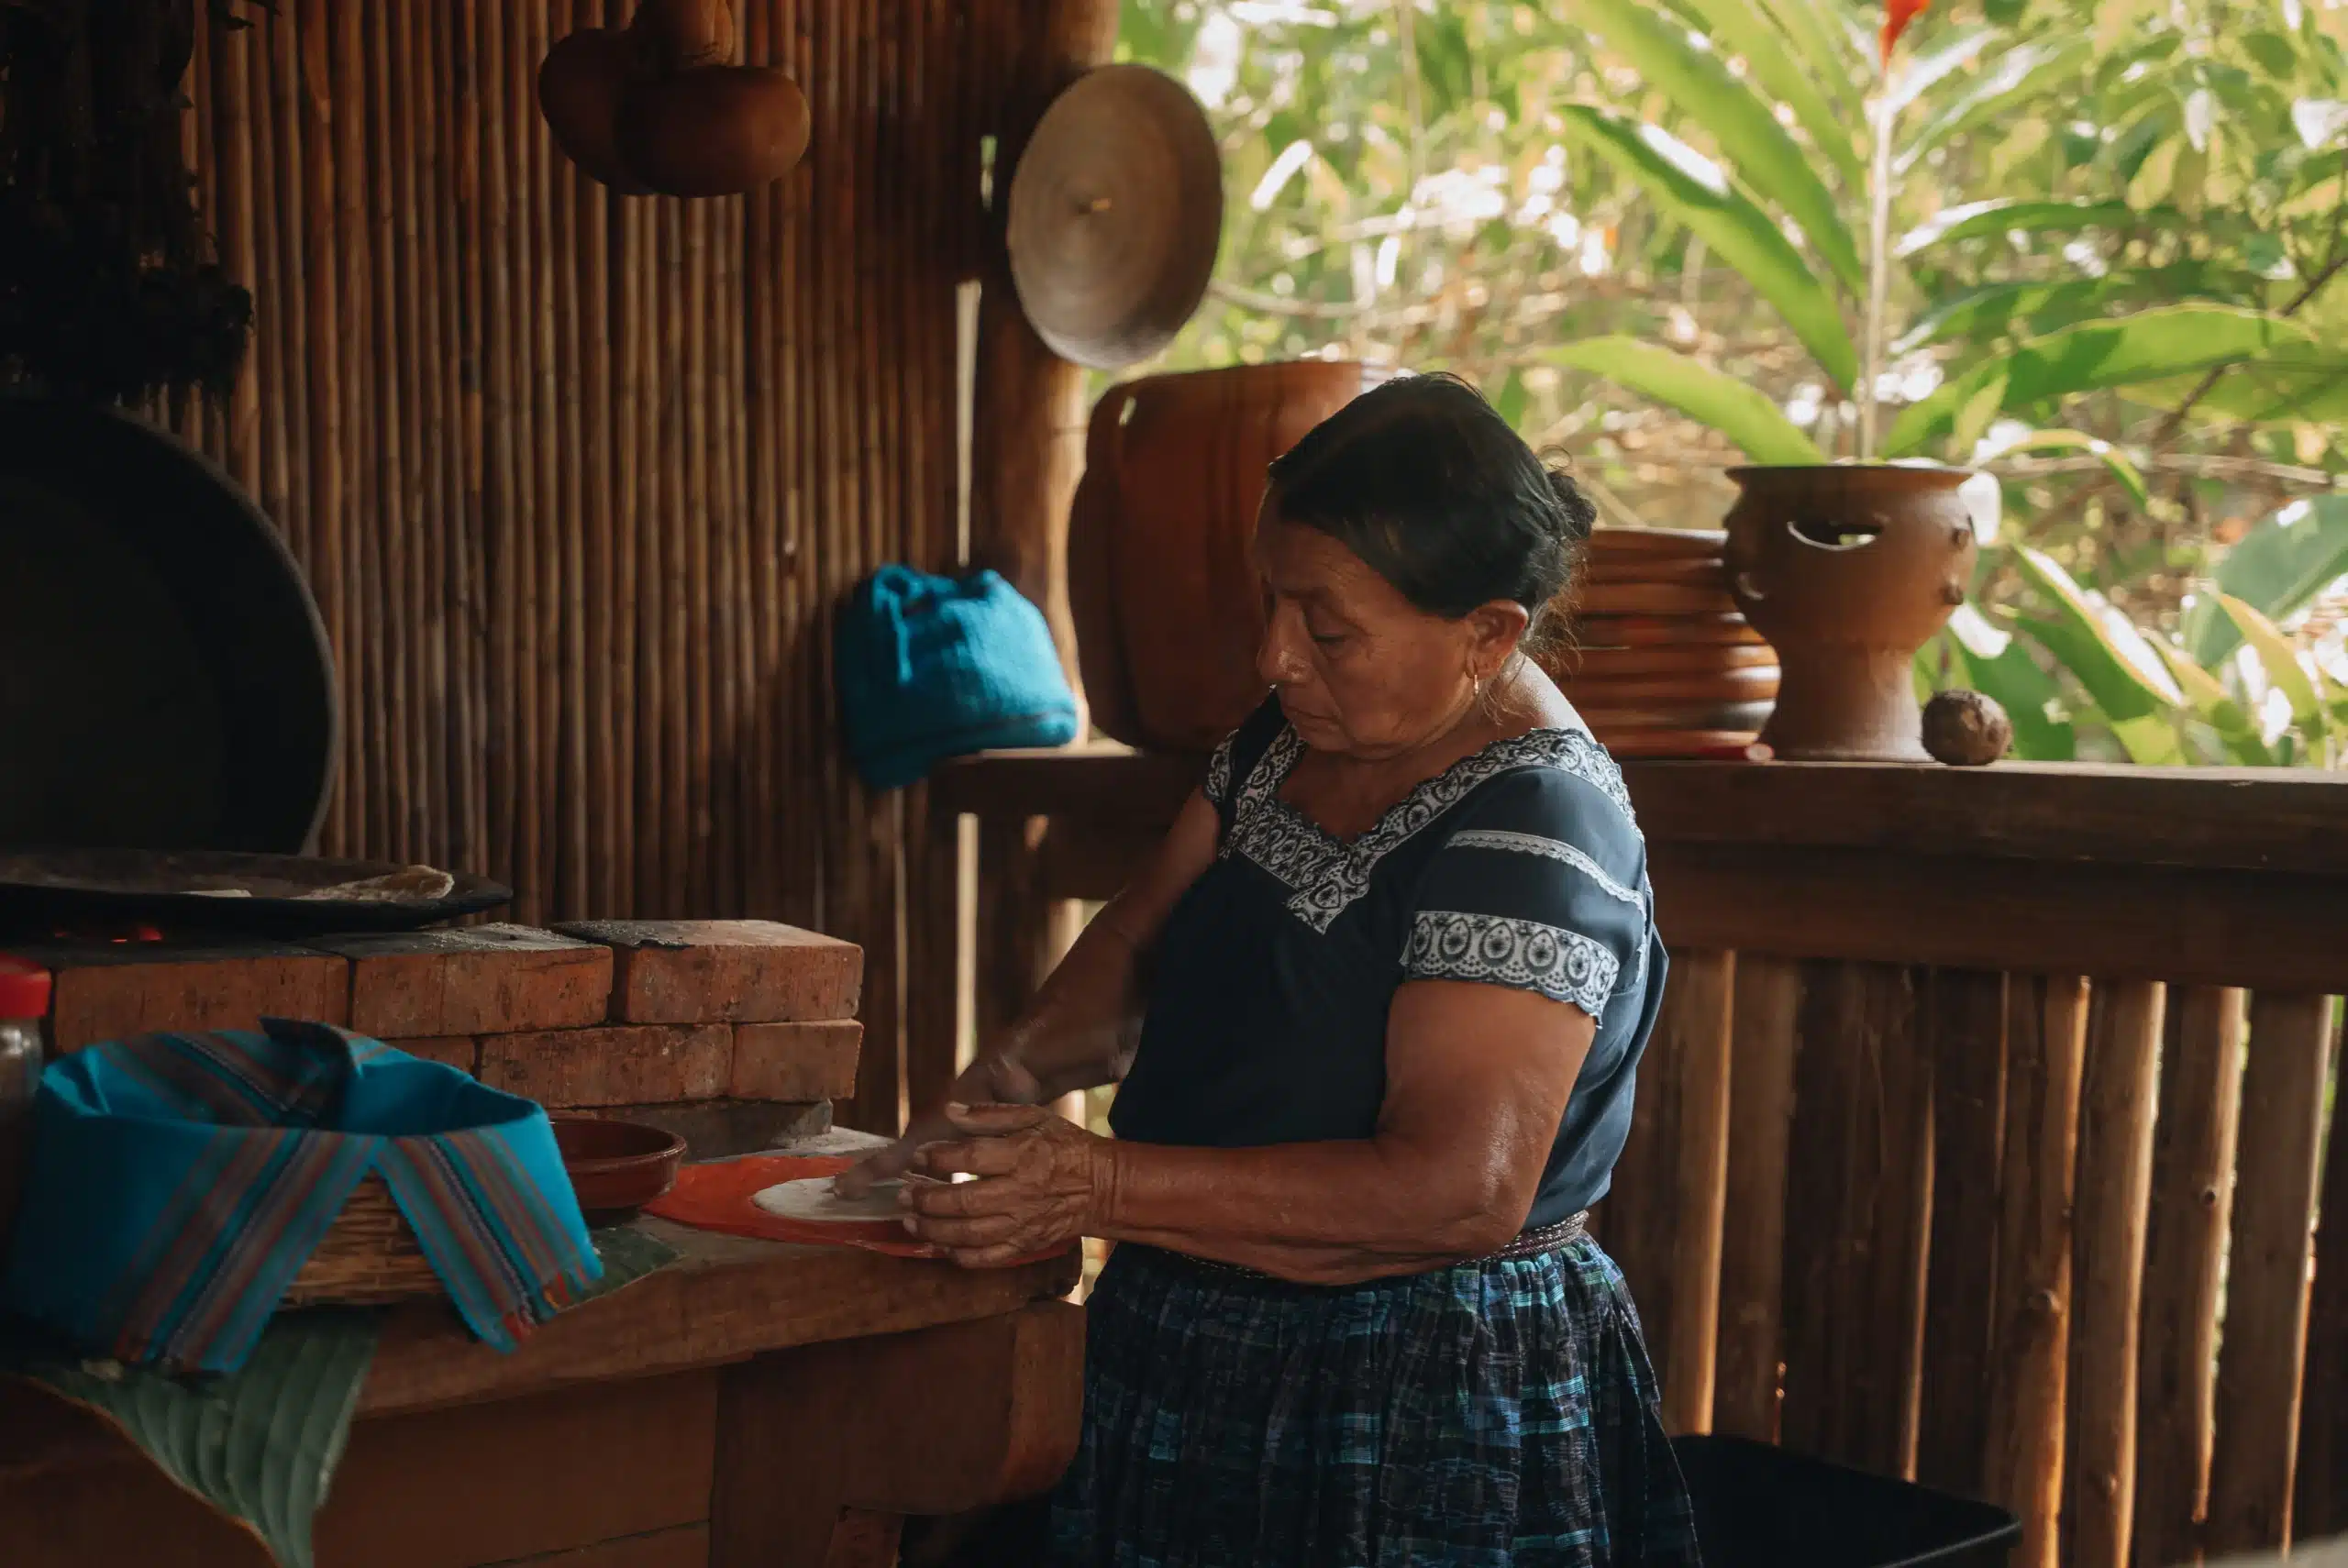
x: 2109, y: 235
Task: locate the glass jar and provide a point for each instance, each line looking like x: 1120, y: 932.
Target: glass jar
x: 24, y: 1003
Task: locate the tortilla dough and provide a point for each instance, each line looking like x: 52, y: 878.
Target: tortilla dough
x: 812, y: 1198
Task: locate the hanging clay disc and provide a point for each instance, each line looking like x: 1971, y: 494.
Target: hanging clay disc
x: 1116, y: 213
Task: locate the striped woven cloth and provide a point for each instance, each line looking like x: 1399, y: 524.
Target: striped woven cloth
x: 178, y: 1182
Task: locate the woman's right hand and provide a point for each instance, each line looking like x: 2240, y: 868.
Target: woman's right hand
x: 995, y: 1078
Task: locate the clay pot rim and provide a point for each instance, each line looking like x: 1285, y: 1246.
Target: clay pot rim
x: 1384, y: 371
x: 1877, y: 477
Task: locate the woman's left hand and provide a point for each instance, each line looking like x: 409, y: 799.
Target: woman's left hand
x: 1042, y: 1181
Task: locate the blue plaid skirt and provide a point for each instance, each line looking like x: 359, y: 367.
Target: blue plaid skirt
x: 1499, y: 1413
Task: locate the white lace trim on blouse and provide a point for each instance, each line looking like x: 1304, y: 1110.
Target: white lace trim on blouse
x: 1525, y: 955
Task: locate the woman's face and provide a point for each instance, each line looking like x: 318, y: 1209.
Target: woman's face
x: 1359, y: 668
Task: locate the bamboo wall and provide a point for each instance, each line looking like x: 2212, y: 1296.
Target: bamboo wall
x: 578, y: 480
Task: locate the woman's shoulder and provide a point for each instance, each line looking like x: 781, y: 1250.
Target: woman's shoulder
x: 1558, y: 780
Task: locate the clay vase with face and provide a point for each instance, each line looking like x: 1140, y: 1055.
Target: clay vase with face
x: 1161, y: 583
x: 1847, y: 571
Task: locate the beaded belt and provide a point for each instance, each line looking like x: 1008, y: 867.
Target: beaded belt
x: 1531, y: 1244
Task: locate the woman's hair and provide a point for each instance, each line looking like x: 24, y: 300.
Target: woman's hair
x: 1424, y: 480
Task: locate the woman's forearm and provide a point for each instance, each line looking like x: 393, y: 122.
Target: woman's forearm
x: 1332, y: 1212
x: 1080, y: 1028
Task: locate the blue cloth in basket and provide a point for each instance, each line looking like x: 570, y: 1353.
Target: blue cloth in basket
x: 178, y: 1182
x: 930, y: 667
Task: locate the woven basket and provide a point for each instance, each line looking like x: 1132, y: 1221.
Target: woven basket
x: 369, y: 1257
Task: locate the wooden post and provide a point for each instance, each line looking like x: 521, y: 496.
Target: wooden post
x: 2185, y: 1248
x: 2115, y: 1179
x: 1027, y: 452
x: 1960, y: 1019
x: 1705, y: 982
x: 1762, y: 1013
x: 2046, y: 1046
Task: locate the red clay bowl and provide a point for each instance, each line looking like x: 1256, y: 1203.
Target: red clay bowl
x: 616, y: 1167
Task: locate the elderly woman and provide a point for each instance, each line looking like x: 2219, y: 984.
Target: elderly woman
x: 1374, y: 1006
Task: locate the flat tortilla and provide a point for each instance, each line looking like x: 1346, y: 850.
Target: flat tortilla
x: 812, y: 1199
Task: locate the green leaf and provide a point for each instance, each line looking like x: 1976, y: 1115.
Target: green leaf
x: 2297, y: 382
x: 1697, y: 82
x: 2008, y: 214
x: 2112, y: 456
x: 2237, y: 727
x: 2278, y: 568
x: 2111, y: 660
x: 1813, y: 30
x: 1996, y: 310
x: 1995, y: 665
x: 1926, y: 71
x: 2027, y: 69
x: 2303, y: 687
x: 1725, y: 404
x: 1739, y: 27
x: 1692, y: 188
x: 2115, y: 352
x: 262, y: 1444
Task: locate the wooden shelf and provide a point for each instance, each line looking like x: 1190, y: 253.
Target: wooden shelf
x: 2214, y: 819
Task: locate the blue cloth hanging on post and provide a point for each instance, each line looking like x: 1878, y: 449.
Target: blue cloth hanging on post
x: 930, y: 667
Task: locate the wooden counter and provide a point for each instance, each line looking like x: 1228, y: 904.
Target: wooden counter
x: 749, y: 1403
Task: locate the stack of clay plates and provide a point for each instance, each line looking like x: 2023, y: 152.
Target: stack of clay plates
x: 1661, y: 662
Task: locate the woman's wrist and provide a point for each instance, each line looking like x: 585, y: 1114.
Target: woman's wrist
x: 1108, y: 1159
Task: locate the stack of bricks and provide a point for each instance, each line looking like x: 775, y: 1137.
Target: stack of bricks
x: 732, y: 1034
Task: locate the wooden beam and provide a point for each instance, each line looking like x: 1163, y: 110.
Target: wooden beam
x: 725, y: 1298
x: 2194, y: 927
x: 2206, y: 818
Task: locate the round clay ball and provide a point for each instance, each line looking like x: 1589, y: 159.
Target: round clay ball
x: 1965, y: 729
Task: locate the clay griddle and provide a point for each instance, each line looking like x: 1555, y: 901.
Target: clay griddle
x: 60, y: 889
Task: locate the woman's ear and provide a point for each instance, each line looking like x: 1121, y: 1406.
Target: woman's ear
x: 1494, y: 630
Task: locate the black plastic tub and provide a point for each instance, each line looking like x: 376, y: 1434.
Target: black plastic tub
x: 1758, y: 1507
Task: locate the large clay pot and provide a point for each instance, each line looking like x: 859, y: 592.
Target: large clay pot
x: 1163, y: 591
x: 1847, y: 571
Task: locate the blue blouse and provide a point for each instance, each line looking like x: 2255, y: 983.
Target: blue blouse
x: 1519, y: 866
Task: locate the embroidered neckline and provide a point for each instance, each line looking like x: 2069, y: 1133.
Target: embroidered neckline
x: 1327, y: 874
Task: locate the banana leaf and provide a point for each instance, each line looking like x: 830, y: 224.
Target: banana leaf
x: 2006, y: 214
x: 2111, y: 661
x: 1996, y: 310
x: 2290, y: 671
x: 1698, y: 83
x: 1741, y: 29
x: 2028, y: 67
x: 262, y: 1444
x: 2236, y: 726
x: 2092, y: 354
x: 2297, y: 382
x: 1728, y: 405
x: 1688, y: 187
x: 2288, y: 558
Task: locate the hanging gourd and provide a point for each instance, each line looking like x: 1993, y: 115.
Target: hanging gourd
x: 657, y: 107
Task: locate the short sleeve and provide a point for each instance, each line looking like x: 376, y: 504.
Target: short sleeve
x: 1540, y: 887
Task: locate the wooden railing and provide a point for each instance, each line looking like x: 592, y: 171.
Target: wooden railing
x: 1982, y: 1139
